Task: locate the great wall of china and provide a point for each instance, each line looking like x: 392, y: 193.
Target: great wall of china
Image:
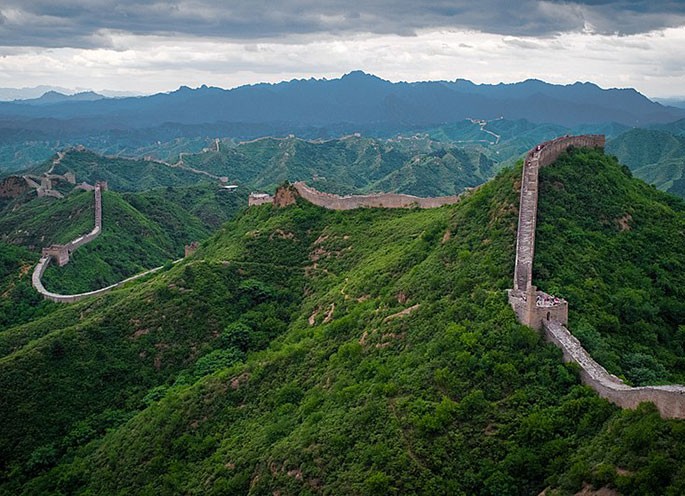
x: 60, y: 254
x: 350, y: 202
x: 542, y: 312
x: 532, y: 307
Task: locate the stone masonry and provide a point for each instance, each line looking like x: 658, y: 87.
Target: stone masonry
x: 380, y: 200
x: 538, y: 310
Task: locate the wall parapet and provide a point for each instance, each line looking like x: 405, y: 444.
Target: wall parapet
x: 378, y: 200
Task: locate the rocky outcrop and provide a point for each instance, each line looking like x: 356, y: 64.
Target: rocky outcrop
x: 14, y: 187
x: 285, y: 195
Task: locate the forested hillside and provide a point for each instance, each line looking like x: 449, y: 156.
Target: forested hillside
x: 361, y: 352
x: 656, y: 156
x: 351, y: 165
x: 615, y: 248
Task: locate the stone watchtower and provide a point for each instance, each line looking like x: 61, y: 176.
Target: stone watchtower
x: 59, y: 252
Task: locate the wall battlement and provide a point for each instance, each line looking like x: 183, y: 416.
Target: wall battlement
x: 552, y: 319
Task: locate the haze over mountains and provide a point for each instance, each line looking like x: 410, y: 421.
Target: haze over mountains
x: 356, y: 99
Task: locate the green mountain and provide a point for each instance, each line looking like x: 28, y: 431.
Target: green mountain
x: 347, y: 165
x: 121, y: 174
x: 306, y: 351
x: 656, y: 156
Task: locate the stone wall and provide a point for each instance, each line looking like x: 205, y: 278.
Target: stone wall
x: 380, y: 200
x: 259, y: 199
x: 190, y: 249
x: 531, y: 313
x: 60, y: 298
x: 669, y: 400
x: 60, y: 253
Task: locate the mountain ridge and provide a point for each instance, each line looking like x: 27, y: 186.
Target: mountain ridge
x: 362, y: 98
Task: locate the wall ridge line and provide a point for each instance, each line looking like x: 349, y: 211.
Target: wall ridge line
x: 541, y: 311
x: 61, y: 254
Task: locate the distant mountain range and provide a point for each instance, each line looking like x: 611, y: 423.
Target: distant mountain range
x: 52, y: 97
x: 32, y: 93
x: 357, y: 100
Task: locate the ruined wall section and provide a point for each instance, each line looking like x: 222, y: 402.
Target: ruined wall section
x: 380, y: 200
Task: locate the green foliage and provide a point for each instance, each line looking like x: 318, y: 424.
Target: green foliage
x: 351, y: 164
x: 655, y: 155
x: 305, y: 351
x: 613, y: 246
x: 19, y: 302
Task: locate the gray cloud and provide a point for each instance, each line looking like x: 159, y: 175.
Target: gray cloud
x: 79, y: 23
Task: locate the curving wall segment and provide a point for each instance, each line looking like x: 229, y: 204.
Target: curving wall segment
x: 73, y: 298
x: 379, y: 200
x: 541, y: 311
x: 669, y: 399
x: 60, y: 253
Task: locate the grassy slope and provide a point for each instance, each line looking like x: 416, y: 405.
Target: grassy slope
x: 614, y: 247
x: 454, y: 398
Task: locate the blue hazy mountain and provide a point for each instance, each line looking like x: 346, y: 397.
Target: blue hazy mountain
x: 356, y: 99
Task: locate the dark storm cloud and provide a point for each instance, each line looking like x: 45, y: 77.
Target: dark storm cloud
x: 79, y: 23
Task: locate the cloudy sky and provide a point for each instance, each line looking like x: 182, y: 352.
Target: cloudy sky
x: 148, y: 46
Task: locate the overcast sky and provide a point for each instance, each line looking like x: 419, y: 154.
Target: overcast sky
x: 147, y: 46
